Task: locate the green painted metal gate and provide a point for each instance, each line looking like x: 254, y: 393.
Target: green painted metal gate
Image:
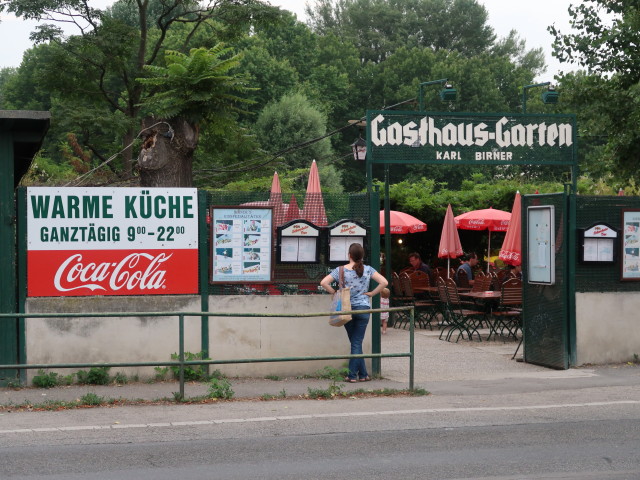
x: 546, y: 314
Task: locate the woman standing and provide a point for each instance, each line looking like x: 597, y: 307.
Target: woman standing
x: 357, y: 276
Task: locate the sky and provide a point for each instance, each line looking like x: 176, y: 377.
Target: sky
x: 529, y: 19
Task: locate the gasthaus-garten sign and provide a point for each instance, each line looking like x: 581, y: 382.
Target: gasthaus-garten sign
x: 111, y: 241
x: 471, y: 138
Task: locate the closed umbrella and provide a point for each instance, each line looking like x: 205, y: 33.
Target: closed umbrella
x: 490, y: 219
x: 313, y: 209
x: 293, y: 212
x: 401, y: 223
x: 275, y: 200
x: 511, y: 251
x: 450, y: 246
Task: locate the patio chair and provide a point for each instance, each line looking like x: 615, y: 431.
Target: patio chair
x: 425, y: 310
x: 398, y: 299
x: 464, y: 319
x: 462, y: 279
x: 508, y: 315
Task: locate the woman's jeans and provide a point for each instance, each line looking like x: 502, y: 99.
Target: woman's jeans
x: 356, y: 329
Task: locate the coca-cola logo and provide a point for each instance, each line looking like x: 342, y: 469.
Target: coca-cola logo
x: 135, y: 271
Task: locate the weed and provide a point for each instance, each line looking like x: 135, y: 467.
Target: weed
x: 191, y: 372
x: 161, y: 373
x: 332, y: 391
x: 330, y: 373
x: 45, y: 380
x: 95, y: 376
x: 120, y: 378
x: 220, y: 388
x: 283, y: 393
x: 273, y: 377
x: 91, y: 399
x: 267, y: 396
x: 636, y: 358
x: 68, y: 379
x: 177, y: 396
x: 217, y: 374
x: 14, y: 385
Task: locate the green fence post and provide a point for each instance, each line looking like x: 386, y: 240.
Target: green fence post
x: 203, y: 260
x: 181, y: 347
x: 411, y: 347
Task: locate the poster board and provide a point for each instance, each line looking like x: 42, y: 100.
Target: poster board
x: 99, y: 241
x: 630, y: 245
x: 541, y: 267
x: 241, y: 244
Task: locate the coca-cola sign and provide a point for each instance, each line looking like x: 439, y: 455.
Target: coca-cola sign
x: 99, y: 241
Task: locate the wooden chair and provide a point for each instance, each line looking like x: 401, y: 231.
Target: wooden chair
x: 481, y: 284
x: 463, y: 319
x: 462, y: 280
x: 424, y: 309
x: 508, y: 315
x: 398, y: 299
x: 419, y: 279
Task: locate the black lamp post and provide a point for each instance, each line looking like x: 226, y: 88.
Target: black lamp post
x: 447, y: 94
x: 549, y: 96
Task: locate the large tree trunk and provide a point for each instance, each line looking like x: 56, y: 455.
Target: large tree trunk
x: 167, y: 153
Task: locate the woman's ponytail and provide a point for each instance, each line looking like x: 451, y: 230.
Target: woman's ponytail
x: 356, y: 252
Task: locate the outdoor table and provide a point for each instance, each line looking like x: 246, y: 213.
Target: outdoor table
x: 489, y: 298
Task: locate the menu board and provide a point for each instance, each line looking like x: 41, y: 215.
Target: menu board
x: 241, y: 244
x: 541, y: 245
x: 298, y: 242
x: 631, y: 245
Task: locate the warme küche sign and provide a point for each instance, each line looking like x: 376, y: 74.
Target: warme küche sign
x: 103, y: 241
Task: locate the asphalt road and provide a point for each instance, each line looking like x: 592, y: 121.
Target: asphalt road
x: 417, y: 438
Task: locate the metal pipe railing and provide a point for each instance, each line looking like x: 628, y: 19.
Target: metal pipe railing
x: 181, y: 363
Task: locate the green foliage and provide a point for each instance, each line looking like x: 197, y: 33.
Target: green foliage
x: 220, y: 388
x: 197, y: 86
x: 330, y: 373
x: 95, y: 376
x: 161, y: 373
x: 45, y: 380
x: 91, y: 399
x: 330, y: 392
x: 120, y: 378
x: 293, y: 121
x: 191, y: 372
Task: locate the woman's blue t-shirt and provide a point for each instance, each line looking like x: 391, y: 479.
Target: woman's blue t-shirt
x: 359, y: 285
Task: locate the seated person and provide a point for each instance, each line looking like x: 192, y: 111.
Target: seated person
x: 468, y: 261
x: 416, y: 262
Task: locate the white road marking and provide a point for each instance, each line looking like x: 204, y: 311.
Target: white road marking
x: 319, y: 415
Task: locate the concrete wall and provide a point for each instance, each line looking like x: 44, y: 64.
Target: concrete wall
x: 139, y: 339
x: 607, y: 327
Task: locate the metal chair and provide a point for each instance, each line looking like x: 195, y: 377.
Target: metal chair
x: 424, y: 309
x: 464, y: 319
x: 508, y: 315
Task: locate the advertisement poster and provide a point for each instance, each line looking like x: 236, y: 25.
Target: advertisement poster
x: 111, y: 241
x: 241, y: 241
x: 631, y: 245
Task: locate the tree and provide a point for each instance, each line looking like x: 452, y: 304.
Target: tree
x: 102, y: 63
x: 289, y: 122
x: 608, y: 96
x: 379, y: 27
x: 189, y: 90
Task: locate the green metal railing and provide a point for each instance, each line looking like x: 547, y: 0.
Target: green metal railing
x: 181, y: 363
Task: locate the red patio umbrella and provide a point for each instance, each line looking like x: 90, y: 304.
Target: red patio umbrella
x: 511, y: 251
x: 401, y: 223
x: 313, y: 209
x: 450, y: 246
x: 490, y: 219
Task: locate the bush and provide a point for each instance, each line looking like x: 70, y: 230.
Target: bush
x: 191, y: 372
x: 220, y: 388
x: 95, y: 376
x: 45, y: 380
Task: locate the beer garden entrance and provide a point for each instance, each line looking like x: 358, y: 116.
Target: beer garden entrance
x: 451, y: 138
